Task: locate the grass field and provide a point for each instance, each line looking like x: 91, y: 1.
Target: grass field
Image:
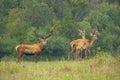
x: 102, y: 67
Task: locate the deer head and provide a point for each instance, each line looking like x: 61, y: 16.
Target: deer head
x: 34, y: 49
x: 44, y: 39
x: 95, y: 34
x: 82, y: 32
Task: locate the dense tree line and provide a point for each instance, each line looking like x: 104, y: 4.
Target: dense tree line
x: 19, y: 19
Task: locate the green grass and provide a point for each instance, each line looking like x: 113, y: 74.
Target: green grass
x: 101, y: 67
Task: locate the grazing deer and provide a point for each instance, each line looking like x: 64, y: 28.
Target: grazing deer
x: 34, y: 49
x: 75, y: 47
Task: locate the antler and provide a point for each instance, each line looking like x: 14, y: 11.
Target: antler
x: 50, y: 33
x: 93, y: 31
x: 35, y: 31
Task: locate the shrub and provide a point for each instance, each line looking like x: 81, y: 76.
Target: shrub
x: 58, y: 45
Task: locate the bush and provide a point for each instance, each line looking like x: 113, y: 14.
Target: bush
x: 7, y: 47
x: 58, y: 45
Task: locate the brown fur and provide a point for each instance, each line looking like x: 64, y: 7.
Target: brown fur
x: 30, y: 48
x: 74, y: 45
x: 34, y: 49
x: 79, y: 45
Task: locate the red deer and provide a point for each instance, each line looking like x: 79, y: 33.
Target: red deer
x: 34, y: 49
x: 89, y: 42
x: 83, y: 43
x: 75, y: 47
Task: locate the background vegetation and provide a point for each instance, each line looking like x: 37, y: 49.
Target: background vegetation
x: 19, y: 18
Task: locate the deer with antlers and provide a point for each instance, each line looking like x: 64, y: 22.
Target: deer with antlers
x: 83, y: 43
x: 34, y: 49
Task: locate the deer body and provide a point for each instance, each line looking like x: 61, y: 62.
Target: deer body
x: 77, y: 45
x: 90, y: 42
x: 30, y: 48
x: 34, y: 49
x: 84, y: 43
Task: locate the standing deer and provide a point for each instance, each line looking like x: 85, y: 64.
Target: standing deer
x: 75, y: 47
x: 83, y: 43
x: 94, y: 36
x: 34, y: 49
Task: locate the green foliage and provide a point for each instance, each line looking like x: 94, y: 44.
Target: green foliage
x: 80, y: 1
x: 84, y: 25
x: 19, y: 19
x: 36, y: 13
x: 7, y: 47
x: 58, y: 45
x: 101, y: 18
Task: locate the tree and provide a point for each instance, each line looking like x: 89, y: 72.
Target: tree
x: 105, y: 18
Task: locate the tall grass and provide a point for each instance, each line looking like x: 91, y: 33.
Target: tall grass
x: 101, y: 67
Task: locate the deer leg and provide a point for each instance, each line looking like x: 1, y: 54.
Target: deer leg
x: 69, y: 55
x: 19, y: 57
x: 86, y: 53
x: 74, y: 53
x: 77, y: 54
x: 81, y: 54
x: 36, y: 57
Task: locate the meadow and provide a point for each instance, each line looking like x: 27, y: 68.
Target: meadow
x: 100, y: 67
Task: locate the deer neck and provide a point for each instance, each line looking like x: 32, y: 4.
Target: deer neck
x: 92, y: 41
x: 84, y: 41
x: 43, y: 43
x: 83, y: 37
x: 43, y: 46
